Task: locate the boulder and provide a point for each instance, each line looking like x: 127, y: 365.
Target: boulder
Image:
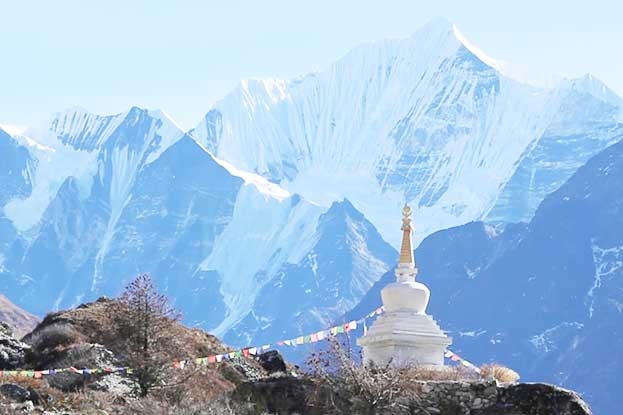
x: 15, y: 392
x: 12, y: 352
x: 87, y: 355
x: 6, y: 329
x: 272, y: 361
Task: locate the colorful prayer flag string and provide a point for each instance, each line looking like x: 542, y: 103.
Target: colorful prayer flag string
x: 216, y: 358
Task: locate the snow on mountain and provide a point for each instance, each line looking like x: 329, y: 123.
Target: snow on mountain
x: 585, y: 123
x: 429, y: 120
x: 273, y: 213
x: 341, y: 257
x: 69, y: 148
x: 212, y: 235
x: 16, y: 166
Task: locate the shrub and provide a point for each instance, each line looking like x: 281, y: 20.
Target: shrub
x: 345, y: 387
x: 499, y: 372
x: 53, y: 336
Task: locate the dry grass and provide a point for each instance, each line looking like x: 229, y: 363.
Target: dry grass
x: 501, y: 373
x: 445, y: 373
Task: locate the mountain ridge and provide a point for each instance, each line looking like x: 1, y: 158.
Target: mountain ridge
x: 20, y: 321
x: 421, y: 120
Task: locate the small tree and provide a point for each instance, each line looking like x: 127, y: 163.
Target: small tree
x: 143, y: 321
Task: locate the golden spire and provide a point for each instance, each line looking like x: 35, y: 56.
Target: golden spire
x: 406, y: 252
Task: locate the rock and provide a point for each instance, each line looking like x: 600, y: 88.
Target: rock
x: 28, y: 406
x: 15, y: 392
x: 537, y: 398
x: 12, y: 352
x: 24, y: 407
x: 35, y: 396
x: 272, y: 361
x: 6, y: 329
x: 280, y: 395
x: 85, y: 355
x: 115, y: 384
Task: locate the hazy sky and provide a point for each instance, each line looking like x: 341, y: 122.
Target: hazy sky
x: 183, y: 55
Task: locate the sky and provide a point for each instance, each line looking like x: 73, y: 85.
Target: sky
x: 182, y: 56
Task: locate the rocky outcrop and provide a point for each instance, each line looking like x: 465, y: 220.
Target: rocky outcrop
x: 12, y: 352
x: 539, y: 398
x: 286, y: 395
x: 272, y: 362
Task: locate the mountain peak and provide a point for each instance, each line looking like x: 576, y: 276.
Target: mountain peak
x: 438, y: 24
x: 85, y: 130
x: 479, y: 53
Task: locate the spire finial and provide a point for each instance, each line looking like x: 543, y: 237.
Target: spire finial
x: 406, y: 270
x: 406, y: 253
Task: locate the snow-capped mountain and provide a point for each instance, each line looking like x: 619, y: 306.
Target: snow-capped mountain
x: 278, y: 211
x: 546, y: 298
x: 214, y: 237
x: 428, y: 120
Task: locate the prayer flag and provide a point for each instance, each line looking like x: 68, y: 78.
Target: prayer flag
x: 211, y: 359
x: 300, y: 340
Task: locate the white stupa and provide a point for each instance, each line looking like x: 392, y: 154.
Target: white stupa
x: 405, y: 334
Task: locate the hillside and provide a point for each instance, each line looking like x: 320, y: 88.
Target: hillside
x: 19, y: 320
x: 70, y: 366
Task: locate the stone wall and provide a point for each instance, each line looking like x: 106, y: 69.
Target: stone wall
x: 287, y: 395
x: 489, y: 398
